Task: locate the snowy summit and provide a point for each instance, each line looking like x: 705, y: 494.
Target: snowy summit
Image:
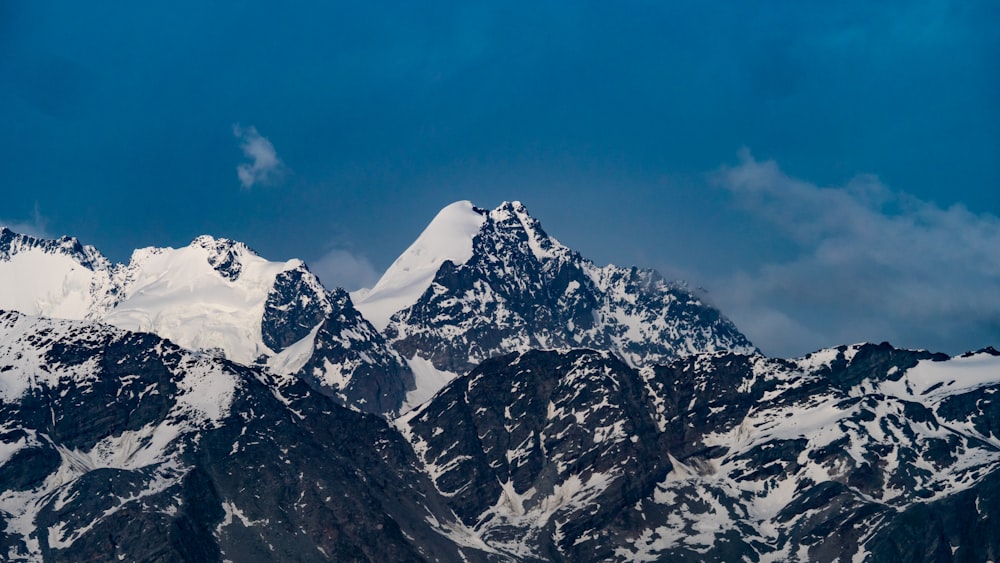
x: 447, y: 238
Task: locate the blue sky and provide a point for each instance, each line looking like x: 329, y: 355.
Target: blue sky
x: 830, y: 173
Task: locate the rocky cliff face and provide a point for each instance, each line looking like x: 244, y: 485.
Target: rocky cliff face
x: 353, y: 361
x: 536, y: 451
x: 121, y: 444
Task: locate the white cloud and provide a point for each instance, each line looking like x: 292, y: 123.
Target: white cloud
x: 264, y: 167
x: 341, y: 268
x: 873, y: 264
x: 37, y: 226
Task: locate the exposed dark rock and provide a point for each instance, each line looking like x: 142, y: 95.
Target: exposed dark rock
x: 295, y: 304
x: 131, y: 448
x: 351, y: 361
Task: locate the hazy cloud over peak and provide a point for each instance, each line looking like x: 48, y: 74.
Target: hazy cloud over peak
x: 37, y: 226
x: 264, y: 167
x: 871, y: 263
x: 342, y: 268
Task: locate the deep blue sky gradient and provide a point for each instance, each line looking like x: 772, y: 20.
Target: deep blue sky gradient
x: 610, y: 121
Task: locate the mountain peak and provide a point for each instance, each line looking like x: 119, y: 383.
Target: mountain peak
x: 58, y: 278
x: 12, y: 243
x: 452, y: 237
x: 209, y: 242
x: 448, y: 237
x: 513, y: 217
x: 215, y: 295
x: 520, y: 288
x: 225, y: 255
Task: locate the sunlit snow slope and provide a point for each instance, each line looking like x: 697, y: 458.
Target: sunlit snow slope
x: 209, y: 295
x: 178, y: 294
x: 58, y: 278
x: 447, y: 237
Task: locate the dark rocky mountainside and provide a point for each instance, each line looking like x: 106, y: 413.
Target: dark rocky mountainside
x: 121, y: 446
x: 863, y: 452
x: 537, y: 451
x: 352, y: 361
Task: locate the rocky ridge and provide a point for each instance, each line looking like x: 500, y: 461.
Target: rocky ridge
x: 216, y: 296
x: 520, y: 289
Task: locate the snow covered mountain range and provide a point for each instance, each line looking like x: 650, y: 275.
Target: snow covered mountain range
x: 215, y: 296
x: 494, y: 397
x: 475, y: 284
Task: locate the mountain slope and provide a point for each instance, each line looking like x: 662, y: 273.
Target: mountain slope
x: 210, y: 295
x: 123, y: 446
x: 533, y: 451
x: 353, y: 361
x: 839, y: 455
x: 476, y: 284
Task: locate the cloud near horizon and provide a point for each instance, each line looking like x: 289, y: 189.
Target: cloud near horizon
x: 36, y: 227
x: 872, y: 263
x: 342, y: 268
x: 264, y: 167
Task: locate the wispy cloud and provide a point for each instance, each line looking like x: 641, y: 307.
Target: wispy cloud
x: 37, y: 226
x: 264, y: 167
x: 872, y: 264
x: 342, y: 268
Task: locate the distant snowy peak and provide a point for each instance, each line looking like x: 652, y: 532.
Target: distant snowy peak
x: 218, y: 295
x: 522, y: 289
x: 214, y: 295
x: 57, y: 278
x: 224, y: 255
x: 447, y: 238
x: 62, y: 278
x: 458, y: 232
x: 209, y: 295
x: 12, y: 243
